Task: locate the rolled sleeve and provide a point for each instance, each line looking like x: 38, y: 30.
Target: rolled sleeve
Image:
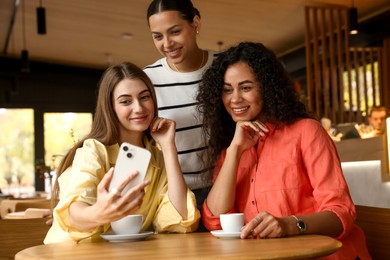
x: 347, y: 220
x: 169, y: 220
x: 61, y: 213
x: 79, y: 183
x: 210, y: 221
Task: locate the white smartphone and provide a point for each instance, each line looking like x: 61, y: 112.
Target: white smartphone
x: 130, y: 158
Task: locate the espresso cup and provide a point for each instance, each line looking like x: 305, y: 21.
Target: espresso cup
x: 130, y: 224
x: 232, y: 222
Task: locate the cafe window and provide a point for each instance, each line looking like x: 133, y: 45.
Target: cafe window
x: 17, y: 150
x: 17, y: 144
x: 61, y: 132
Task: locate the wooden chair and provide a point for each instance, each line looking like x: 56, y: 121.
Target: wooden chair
x: 375, y: 223
x: 18, y: 234
x: 9, y: 206
x: 29, y: 213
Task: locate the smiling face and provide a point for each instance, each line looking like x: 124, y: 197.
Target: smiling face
x: 241, y: 93
x: 134, y: 106
x: 174, y: 37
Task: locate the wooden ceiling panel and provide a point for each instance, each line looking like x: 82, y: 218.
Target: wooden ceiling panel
x: 89, y: 32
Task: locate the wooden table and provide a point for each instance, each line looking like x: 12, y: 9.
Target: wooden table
x: 188, y: 246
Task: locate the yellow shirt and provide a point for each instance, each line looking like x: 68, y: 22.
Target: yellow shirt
x: 79, y: 183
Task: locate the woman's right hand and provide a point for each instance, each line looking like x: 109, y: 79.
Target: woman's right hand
x: 109, y: 206
x: 248, y: 133
x: 112, y: 206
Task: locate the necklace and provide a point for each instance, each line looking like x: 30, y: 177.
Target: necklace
x: 200, y: 66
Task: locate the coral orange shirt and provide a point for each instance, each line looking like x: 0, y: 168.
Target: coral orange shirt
x: 294, y: 170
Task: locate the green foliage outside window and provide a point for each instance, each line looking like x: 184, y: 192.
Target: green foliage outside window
x: 16, y: 147
x: 17, y: 144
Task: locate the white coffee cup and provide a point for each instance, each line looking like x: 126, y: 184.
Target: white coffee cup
x: 232, y: 222
x: 130, y: 224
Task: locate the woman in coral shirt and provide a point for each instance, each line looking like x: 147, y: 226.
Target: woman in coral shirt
x: 275, y: 163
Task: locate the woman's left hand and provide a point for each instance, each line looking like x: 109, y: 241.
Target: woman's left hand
x: 264, y: 225
x: 163, y: 130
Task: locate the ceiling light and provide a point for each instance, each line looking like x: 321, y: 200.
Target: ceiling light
x: 353, y: 20
x: 41, y: 19
x: 219, y: 43
x: 25, y: 62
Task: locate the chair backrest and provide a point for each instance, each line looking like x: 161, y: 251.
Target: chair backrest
x: 9, y: 206
x: 22, y: 206
x: 375, y: 223
x: 18, y: 234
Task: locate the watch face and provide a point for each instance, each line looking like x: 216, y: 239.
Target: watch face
x: 301, y: 225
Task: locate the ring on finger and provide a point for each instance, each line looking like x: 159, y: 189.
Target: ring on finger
x: 115, y: 191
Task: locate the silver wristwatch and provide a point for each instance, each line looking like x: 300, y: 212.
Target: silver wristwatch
x: 300, y: 224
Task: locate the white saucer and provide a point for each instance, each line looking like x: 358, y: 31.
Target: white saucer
x: 123, y: 238
x: 224, y: 234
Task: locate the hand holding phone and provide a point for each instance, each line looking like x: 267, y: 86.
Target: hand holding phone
x: 130, y: 158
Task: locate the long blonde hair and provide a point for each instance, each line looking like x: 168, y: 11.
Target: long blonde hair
x: 105, y: 125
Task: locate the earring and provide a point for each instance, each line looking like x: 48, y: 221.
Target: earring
x: 197, y: 32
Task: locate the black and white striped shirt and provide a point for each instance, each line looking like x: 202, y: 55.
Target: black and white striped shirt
x: 176, y: 98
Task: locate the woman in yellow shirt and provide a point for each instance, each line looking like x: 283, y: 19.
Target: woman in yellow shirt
x: 126, y: 111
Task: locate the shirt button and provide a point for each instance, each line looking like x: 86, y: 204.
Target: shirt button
x: 253, y: 202
x: 252, y: 180
x: 261, y: 140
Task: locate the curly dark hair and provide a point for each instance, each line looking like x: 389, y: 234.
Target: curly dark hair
x: 281, y: 103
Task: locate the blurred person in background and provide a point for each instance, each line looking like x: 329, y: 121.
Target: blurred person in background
x: 376, y: 122
x: 377, y: 119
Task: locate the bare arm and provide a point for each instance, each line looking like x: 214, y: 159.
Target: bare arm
x: 221, y: 197
x: 265, y: 225
x: 163, y: 131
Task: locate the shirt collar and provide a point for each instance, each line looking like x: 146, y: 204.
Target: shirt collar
x: 271, y: 128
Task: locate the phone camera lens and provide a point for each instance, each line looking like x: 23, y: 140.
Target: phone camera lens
x: 125, y: 148
x: 129, y: 155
